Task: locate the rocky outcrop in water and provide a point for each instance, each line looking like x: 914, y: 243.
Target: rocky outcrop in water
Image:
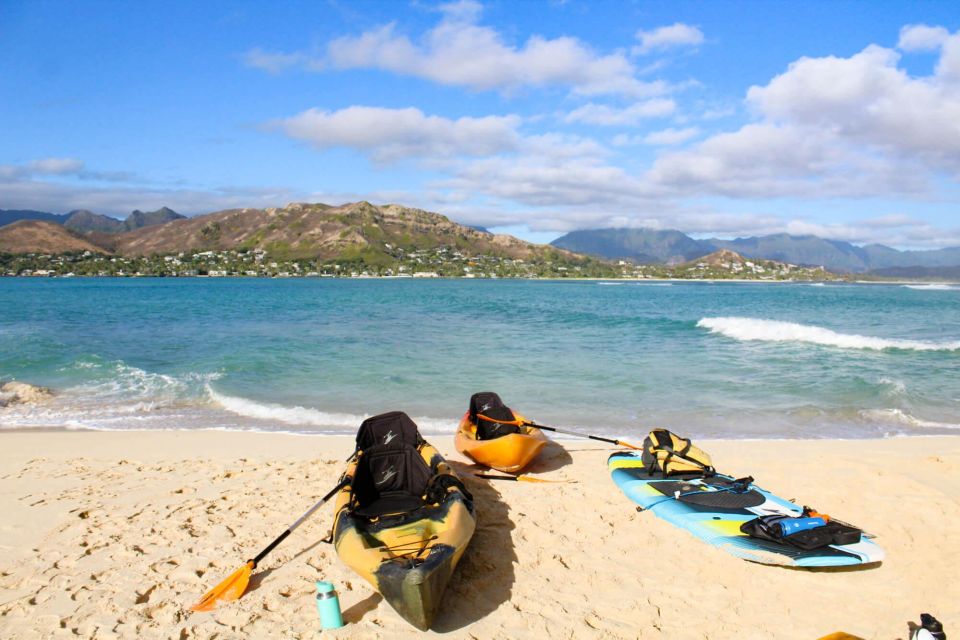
x: 23, y: 393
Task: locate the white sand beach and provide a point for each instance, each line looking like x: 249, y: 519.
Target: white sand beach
x: 114, y: 535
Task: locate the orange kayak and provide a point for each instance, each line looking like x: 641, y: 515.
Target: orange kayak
x: 509, y: 453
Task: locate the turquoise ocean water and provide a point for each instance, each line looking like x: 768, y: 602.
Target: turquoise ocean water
x: 707, y: 360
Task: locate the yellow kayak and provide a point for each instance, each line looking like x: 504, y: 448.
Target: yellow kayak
x: 404, y: 521
x: 495, y: 436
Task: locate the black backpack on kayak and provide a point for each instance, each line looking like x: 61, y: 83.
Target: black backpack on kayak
x: 487, y: 404
x: 391, y: 476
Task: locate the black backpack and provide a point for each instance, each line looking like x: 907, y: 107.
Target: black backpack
x: 487, y: 404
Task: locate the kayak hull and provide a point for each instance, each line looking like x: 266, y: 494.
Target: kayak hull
x: 408, y: 558
x: 510, y: 453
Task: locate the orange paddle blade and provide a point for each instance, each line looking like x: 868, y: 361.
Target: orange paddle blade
x: 227, y: 591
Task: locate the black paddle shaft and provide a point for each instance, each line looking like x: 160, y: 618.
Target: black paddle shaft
x: 283, y: 536
x: 574, y: 433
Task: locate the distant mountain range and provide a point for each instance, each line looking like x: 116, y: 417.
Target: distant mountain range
x: 656, y: 246
x: 84, y: 221
x: 361, y: 230
x: 354, y: 231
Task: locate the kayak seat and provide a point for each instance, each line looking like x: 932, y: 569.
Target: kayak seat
x: 393, y: 428
x: 488, y: 404
x: 389, y: 479
x: 490, y: 430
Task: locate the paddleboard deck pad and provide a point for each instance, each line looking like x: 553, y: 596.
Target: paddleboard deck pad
x: 711, y: 511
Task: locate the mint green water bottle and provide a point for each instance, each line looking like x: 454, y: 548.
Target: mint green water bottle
x: 328, y: 606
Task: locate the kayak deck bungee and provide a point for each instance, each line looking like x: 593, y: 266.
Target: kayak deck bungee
x: 707, y: 508
x: 409, y: 555
x: 510, y: 453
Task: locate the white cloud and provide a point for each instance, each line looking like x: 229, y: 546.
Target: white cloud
x: 270, y: 61
x: 463, y: 10
x: 782, y: 161
x: 831, y: 127
x: 662, y: 138
x: 458, y: 51
x: 394, y: 134
x: 606, y: 115
x: 866, y: 100
x: 58, y: 197
x: 920, y: 37
x: 541, y: 183
x: 671, y: 136
x: 825, y: 128
x: 43, y: 166
x: 675, y: 35
x: 911, y: 234
x: 60, y: 167
x: 558, y: 146
x: 55, y: 166
x: 893, y: 220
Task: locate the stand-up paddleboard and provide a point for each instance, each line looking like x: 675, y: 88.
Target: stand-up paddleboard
x: 713, y: 513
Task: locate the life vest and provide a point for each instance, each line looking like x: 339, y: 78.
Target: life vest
x: 667, y: 453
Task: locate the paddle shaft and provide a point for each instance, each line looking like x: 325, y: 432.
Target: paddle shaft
x: 523, y: 478
x: 490, y: 476
x: 581, y: 435
x: 283, y: 536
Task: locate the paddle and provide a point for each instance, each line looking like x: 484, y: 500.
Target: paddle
x: 236, y: 583
x: 527, y: 423
x: 619, y: 443
x: 490, y: 476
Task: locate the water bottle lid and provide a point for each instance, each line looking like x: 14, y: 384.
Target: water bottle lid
x: 324, y: 587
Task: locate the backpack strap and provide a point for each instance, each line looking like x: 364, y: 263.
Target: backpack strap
x: 439, y: 484
x: 514, y: 422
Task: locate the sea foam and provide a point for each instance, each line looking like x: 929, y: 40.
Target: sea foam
x: 932, y: 287
x: 302, y: 416
x: 309, y: 416
x: 899, y: 416
x: 779, y: 331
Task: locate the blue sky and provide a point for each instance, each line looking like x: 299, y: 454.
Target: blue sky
x: 716, y: 118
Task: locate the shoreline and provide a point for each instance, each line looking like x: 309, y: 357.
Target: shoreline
x: 115, y: 534
x: 506, y: 278
x: 429, y: 434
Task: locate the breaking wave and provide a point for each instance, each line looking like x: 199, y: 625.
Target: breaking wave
x: 932, y: 287
x: 301, y: 416
x: 750, y: 329
x: 122, y: 382
x: 310, y: 417
x: 899, y: 416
